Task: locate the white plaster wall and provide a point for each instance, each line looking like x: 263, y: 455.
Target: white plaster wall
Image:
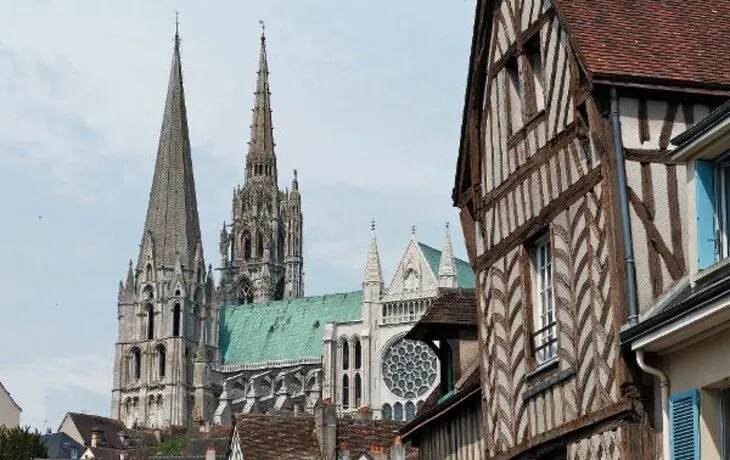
x: 9, y: 413
x: 656, y: 113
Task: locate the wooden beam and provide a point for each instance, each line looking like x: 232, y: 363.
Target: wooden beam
x: 524, y: 231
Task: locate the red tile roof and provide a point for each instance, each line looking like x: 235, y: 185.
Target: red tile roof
x: 680, y: 41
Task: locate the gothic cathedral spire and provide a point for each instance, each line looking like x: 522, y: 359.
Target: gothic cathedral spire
x: 447, y: 265
x: 171, y: 229
x: 166, y: 308
x: 261, y: 159
x: 261, y: 250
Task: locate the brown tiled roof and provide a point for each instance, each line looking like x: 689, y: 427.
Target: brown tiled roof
x: 292, y: 437
x: 453, y: 308
x: 361, y: 435
x: 465, y: 389
x: 277, y: 437
x: 110, y: 429
x: 677, y: 41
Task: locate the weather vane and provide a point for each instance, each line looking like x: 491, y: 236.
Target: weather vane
x: 177, y: 21
x: 263, y: 26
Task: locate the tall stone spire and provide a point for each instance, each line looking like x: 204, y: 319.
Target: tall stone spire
x: 373, y: 271
x: 447, y: 265
x: 172, y: 229
x: 261, y: 160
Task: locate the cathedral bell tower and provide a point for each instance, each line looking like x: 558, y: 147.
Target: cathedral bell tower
x: 261, y: 250
x: 167, y: 318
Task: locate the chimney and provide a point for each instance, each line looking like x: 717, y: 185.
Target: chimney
x: 96, y: 436
x: 325, y: 428
x: 210, y: 453
x: 364, y: 413
x: 398, y: 451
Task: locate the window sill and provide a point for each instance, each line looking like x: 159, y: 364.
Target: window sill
x: 549, y: 380
x: 714, y: 269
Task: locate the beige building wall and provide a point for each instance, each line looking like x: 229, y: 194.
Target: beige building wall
x: 703, y: 364
x: 9, y: 411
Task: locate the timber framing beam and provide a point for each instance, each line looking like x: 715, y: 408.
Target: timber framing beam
x: 548, y: 213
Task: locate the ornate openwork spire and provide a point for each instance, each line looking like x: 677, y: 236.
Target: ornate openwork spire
x: 447, y: 265
x: 373, y: 271
x: 261, y: 160
x: 172, y: 213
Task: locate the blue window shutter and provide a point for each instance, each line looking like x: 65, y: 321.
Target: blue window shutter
x: 684, y: 425
x: 705, y: 210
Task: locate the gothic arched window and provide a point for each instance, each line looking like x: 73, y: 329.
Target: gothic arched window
x: 176, y: 320
x: 358, y: 390
x: 161, y: 362
x: 387, y: 412
x: 260, y: 247
x: 358, y: 354
x: 410, y: 411
x: 150, y: 312
x: 345, y: 391
x: 345, y: 355
x: 136, y: 363
x: 246, y: 243
x: 148, y: 272
x: 398, y: 411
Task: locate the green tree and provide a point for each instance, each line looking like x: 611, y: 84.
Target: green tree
x: 20, y: 444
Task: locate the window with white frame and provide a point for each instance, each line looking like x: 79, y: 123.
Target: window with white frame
x: 544, y: 337
x: 712, y: 206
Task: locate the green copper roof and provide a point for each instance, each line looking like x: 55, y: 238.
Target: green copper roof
x: 284, y: 329
x: 464, y: 274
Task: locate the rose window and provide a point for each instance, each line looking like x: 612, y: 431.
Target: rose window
x: 409, y: 368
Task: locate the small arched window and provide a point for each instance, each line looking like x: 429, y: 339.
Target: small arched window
x: 260, y: 247
x: 345, y: 355
x: 358, y: 354
x: 345, y: 392
x: 148, y: 272
x: 246, y: 246
x: 387, y: 412
x: 358, y: 390
x: 150, y: 312
x: 410, y: 411
x: 176, y: 320
x: 398, y: 411
x: 136, y: 363
x: 161, y: 362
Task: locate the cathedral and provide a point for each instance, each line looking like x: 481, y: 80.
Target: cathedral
x: 189, y: 351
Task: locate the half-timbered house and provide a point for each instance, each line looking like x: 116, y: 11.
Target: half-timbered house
x: 569, y: 208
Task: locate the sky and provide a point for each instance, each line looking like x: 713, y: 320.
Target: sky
x: 367, y: 100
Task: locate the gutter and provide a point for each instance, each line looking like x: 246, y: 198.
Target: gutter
x: 624, y: 204
x: 664, y: 384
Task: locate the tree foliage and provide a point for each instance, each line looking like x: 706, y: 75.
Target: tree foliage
x: 20, y: 444
x: 172, y: 445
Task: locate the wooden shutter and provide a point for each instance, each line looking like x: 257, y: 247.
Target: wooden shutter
x: 684, y: 425
x: 705, y: 210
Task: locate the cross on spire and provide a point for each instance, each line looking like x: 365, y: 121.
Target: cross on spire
x: 177, y: 25
x: 263, y: 29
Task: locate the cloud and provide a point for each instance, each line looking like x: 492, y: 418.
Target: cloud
x: 44, y: 387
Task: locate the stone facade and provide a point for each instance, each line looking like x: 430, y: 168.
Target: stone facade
x: 167, y: 320
x: 188, y: 351
x: 261, y: 250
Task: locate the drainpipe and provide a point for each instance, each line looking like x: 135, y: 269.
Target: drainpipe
x: 664, y: 384
x: 624, y: 203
